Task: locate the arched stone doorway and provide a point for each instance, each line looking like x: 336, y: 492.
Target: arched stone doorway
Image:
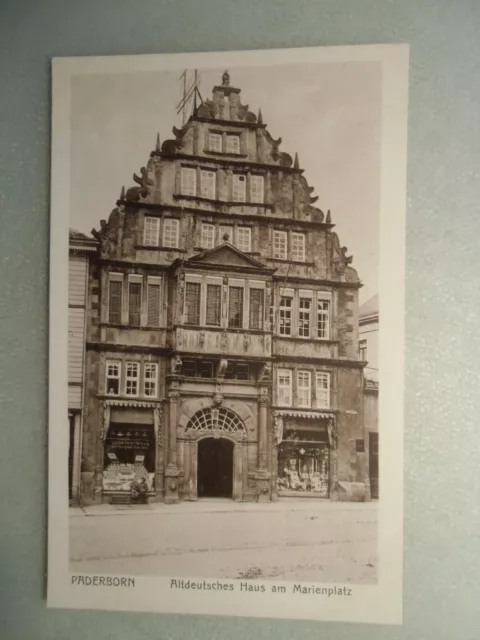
x: 215, y: 468
x: 214, y: 452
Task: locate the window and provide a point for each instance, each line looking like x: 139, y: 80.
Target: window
x: 280, y: 245
x: 151, y: 228
x: 256, y: 308
x: 113, y: 377
x: 170, y: 233
x: 214, y: 292
x: 304, y: 312
x: 323, y: 319
x: 304, y: 390
x: 225, y: 234
x: 134, y: 303
x: 205, y: 369
x: 284, y: 388
x: 298, y: 247
x: 188, y: 181
x: 239, y: 188
x: 153, y: 304
x: 244, y: 239
x: 132, y: 375
x: 208, y: 236
x: 323, y: 390
x: 235, y: 307
x: 150, y: 379
x: 285, y: 316
x: 215, y: 142
x: 256, y: 189
x: 115, y: 301
x: 189, y: 368
x: 192, y: 303
x: 362, y: 349
x: 207, y: 184
x: 233, y: 144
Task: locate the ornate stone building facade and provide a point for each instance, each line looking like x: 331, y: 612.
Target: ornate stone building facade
x: 222, y: 339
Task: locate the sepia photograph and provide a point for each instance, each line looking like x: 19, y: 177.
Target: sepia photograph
x: 224, y: 357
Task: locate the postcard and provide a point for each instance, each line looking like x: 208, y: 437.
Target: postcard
x: 226, y: 322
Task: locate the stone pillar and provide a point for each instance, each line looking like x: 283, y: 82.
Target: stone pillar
x: 171, y: 471
x: 262, y: 432
x: 158, y: 428
x: 263, y: 473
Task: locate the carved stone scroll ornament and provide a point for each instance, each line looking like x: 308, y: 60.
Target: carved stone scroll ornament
x: 143, y: 190
x: 340, y: 260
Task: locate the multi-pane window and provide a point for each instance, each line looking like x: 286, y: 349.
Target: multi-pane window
x: 150, y: 231
x: 284, y: 387
x: 256, y: 309
x: 115, y: 301
x: 298, y: 247
x: 207, y: 184
x: 113, y: 377
x: 256, y: 189
x: 188, y: 181
x: 235, y: 307
x: 134, y: 303
x: 192, y: 303
x: 213, y: 310
x: 170, y: 233
x: 285, y: 316
x: 233, y: 144
x: 153, y: 304
x: 132, y: 378
x: 244, y: 239
x: 225, y: 234
x: 304, y: 317
x: 150, y: 371
x: 304, y: 389
x: 215, y: 142
x: 280, y: 245
x: 323, y: 319
x: 323, y: 390
x: 237, y: 371
x: 208, y: 236
x: 239, y: 187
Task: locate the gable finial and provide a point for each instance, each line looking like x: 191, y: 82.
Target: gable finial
x: 226, y: 78
x: 329, y: 217
x: 260, y: 118
x: 226, y: 236
x: 296, y: 164
x: 157, y: 144
x: 122, y: 193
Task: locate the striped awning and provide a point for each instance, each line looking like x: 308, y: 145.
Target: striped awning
x: 298, y: 413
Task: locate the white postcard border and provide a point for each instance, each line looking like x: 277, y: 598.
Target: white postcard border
x: 380, y: 603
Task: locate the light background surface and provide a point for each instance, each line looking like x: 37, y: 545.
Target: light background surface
x: 442, y: 437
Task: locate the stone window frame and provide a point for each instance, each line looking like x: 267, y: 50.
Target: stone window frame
x: 134, y: 279
x: 285, y: 373
x: 296, y: 294
x: 211, y: 192
x: 165, y: 230
x: 245, y: 283
x: 328, y: 377
x: 147, y: 231
x: 307, y: 374
x: 132, y: 378
x: 145, y: 380
x: 114, y: 363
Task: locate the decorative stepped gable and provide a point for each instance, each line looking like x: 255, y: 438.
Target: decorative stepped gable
x: 225, y: 109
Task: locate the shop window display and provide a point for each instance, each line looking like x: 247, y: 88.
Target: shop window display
x: 303, y: 463
x: 129, y: 457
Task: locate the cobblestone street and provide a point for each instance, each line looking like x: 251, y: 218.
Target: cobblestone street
x: 289, y: 540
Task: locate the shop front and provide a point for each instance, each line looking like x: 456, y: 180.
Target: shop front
x: 304, y: 455
x: 129, y: 455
